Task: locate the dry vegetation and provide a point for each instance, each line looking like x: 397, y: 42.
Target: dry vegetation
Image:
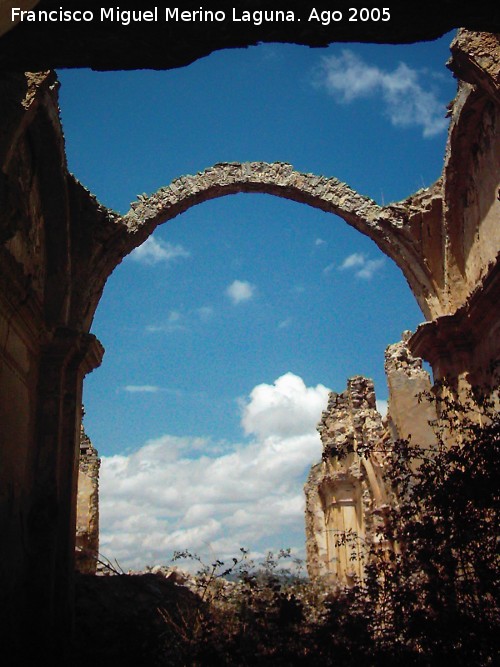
x: 430, y: 596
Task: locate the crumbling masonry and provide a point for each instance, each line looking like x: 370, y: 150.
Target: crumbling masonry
x: 346, y: 490
x: 58, y: 245
x: 346, y: 494
x: 87, y: 507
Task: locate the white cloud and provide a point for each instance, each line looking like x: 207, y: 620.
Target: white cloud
x: 406, y: 100
x: 284, y: 324
x: 142, y: 388
x: 328, y: 269
x: 153, y: 251
x: 240, y: 290
x: 175, y: 322
x: 183, y: 493
x: 287, y: 407
x: 319, y: 242
x: 362, y: 266
x: 205, y: 313
x: 370, y: 267
x: 182, y: 321
x: 352, y: 261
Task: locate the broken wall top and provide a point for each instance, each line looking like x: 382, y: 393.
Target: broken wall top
x: 350, y: 421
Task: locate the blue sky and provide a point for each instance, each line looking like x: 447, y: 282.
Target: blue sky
x: 225, y: 330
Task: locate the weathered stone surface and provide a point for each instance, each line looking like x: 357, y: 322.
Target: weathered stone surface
x: 345, y: 493
x: 471, y: 201
x: 58, y: 245
x: 87, y: 507
x: 475, y: 60
x: 463, y: 347
x: 387, y: 226
x: 411, y: 413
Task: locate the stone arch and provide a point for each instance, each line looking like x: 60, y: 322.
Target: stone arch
x: 461, y: 339
x: 387, y: 226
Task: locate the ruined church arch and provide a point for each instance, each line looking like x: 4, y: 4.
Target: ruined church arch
x: 386, y: 226
x: 176, y: 196
x: 450, y: 232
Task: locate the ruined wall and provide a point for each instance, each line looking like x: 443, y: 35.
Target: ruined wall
x: 345, y: 493
x: 58, y: 245
x: 462, y: 343
x: 410, y: 410
x: 42, y: 362
x: 87, y: 507
x: 22, y: 280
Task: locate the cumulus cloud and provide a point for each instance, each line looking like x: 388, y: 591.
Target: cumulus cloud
x: 406, y: 99
x: 154, y: 251
x: 240, y: 290
x: 284, y: 408
x: 362, y: 266
x: 191, y: 493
